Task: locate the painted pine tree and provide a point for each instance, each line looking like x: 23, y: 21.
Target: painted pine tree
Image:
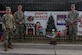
x: 50, y: 24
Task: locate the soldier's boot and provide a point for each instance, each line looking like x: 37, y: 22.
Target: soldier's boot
x: 6, y: 48
x: 10, y: 46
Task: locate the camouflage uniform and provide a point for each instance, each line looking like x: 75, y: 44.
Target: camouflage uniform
x: 19, y: 17
x: 8, y: 25
x: 72, y: 27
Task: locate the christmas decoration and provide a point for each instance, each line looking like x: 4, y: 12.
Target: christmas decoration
x: 50, y: 24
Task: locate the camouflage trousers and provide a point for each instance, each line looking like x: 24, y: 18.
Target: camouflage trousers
x: 8, y: 34
x: 20, y: 31
x: 72, y: 32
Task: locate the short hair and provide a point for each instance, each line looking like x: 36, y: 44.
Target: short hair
x: 72, y: 5
x: 8, y: 8
x: 19, y: 5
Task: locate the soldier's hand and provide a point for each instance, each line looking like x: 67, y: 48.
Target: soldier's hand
x: 20, y: 23
x: 71, y: 21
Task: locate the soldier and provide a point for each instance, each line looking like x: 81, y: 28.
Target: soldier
x: 19, y: 18
x: 8, y: 25
x: 72, y: 22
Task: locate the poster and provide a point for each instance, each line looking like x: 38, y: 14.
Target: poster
x: 79, y: 25
x: 61, y: 19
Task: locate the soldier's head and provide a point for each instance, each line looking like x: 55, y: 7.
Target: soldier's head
x: 19, y: 7
x: 72, y: 7
x: 8, y: 10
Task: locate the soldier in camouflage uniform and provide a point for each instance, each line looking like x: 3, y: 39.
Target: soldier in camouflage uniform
x: 19, y: 18
x: 8, y: 25
x: 72, y: 22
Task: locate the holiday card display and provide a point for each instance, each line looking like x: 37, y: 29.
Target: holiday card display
x: 44, y: 21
